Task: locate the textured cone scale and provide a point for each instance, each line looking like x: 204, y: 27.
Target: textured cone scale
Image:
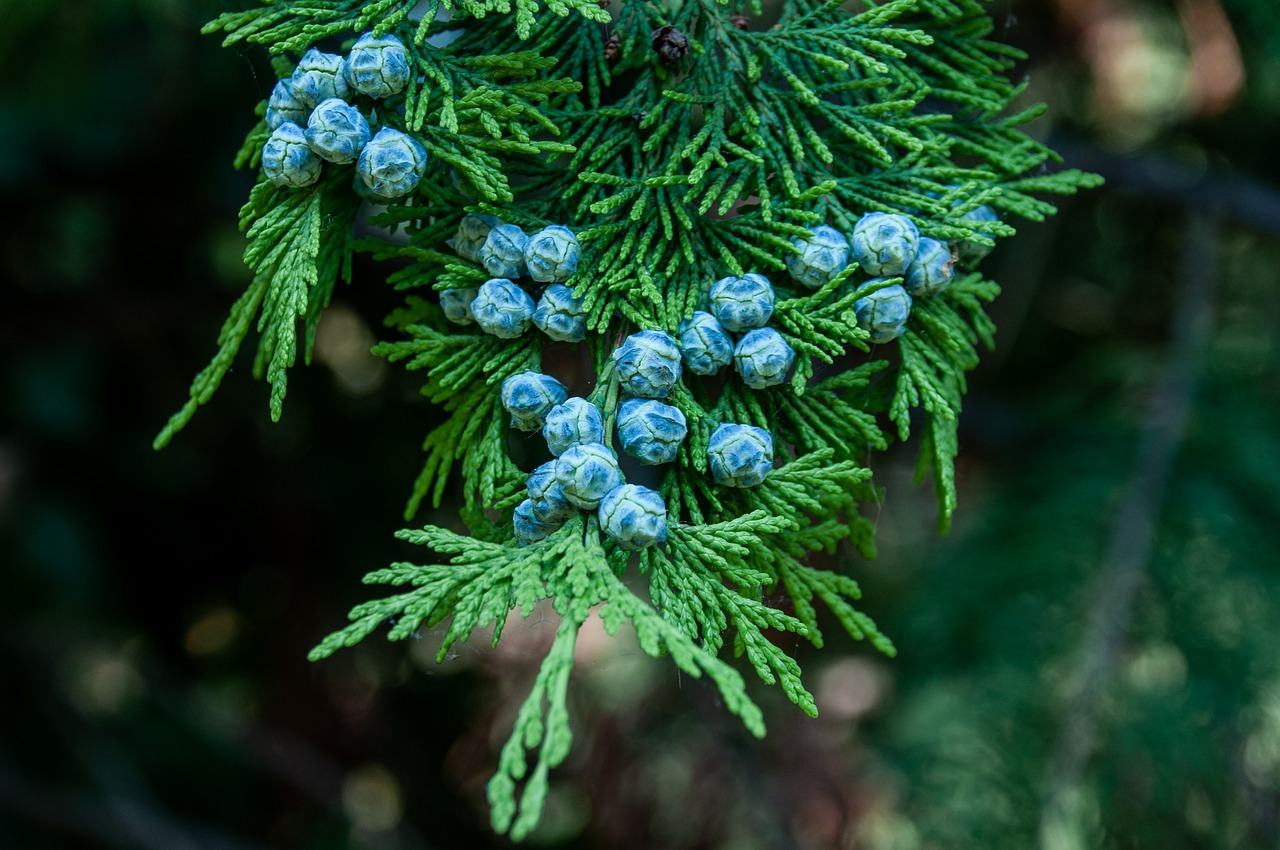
x: 586, y: 473
x: 502, y: 308
x: 651, y: 431
x: 320, y: 76
x: 884, y: 245
x: 391, y: 164
x: 648, y: 364
x: 378, y: 67
x: 742, y: 303
x: 529, y: 397
x: 705, y: 348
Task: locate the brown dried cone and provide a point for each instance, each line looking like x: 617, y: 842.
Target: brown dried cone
x: 739, y: 21
x: 671, y: 44
x: 612, y: 47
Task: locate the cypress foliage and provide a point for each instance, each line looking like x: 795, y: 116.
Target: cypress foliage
x: 682, y: 143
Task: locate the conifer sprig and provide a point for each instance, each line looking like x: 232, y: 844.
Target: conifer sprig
x: 679, y: 144
x: 299, y: 246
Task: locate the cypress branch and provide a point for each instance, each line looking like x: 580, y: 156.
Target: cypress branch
x: 679, y: 149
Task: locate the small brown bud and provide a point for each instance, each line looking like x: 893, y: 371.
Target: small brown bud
x: 671, y: 44
x: 740, y: 21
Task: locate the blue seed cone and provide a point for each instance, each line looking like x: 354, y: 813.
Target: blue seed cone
x: 502, y: 253
x: 742, y: 303
x: 740, y: 455
x: 378, y: 67
x: 283, y: 107
x: 822, y: 256
x: 472, y: 231
x: 549, y: 503
x: 528, y: 528
x: 651, y: 431
x: 648, y: 364
x: 551, y: 254
x: 705, y: 348
x: 763, y: 358
x: 391, y: 164
x: 320, y: 76
x: 502, y: 308
x: 337, y: 132
x: 287, y: 161
x: 931, y: 271
x: 586, y: 473
x: 456, y: 304
x: 634, y: 516
x: 971, y: 253
x: 529, y: 397
x: 884, y: 313
x: 573, y: 422
x: 884, y: 244
x: 559, y: 315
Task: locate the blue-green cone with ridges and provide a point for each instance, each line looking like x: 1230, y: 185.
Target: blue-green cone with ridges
x: 551, y: 254
x: 320, y: 76
x: 502, y: 253
x: 392, y: 164
x: 884, y: 313
x: 283, y: 107
x: 763, y: 358
x: 528, y: 528
x: 586, y: 473
x: 571, y: 423
x: 742, y: 303
x: 549, y: 504
x: 740, y: 455
x: 472, y: 231
x: 559, y: 315
x: 884, y: 244
x: 502, y: 308
x: 651, y: 431
x: 529, y: 396
x: 456, y: 304
x: 648, y: 364
x: 971, y: 253
x: 821, y: 256
x: 634, y: 516
x: 932, y: 269
x: 288, y: 161
x: 337, y: 132
x: 705, y: 348
x: 378, y: 67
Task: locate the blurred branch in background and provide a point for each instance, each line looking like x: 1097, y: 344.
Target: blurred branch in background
x: 1061, y: 825
x: 1190, y: 183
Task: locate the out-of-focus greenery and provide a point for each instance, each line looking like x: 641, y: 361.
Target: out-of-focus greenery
x: 156, y: 611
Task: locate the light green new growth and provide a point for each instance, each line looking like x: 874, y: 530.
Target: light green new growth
x: 674, y: 169
x: 300, y: 243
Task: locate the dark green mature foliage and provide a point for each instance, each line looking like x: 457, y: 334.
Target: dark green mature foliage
x: 673, y: 173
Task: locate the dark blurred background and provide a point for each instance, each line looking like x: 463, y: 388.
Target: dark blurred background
x: 1089, y: 659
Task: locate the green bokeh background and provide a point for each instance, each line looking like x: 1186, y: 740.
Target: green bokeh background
x: 155, y: 609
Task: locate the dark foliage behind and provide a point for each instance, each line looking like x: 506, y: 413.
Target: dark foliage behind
x: 1088, y: 660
